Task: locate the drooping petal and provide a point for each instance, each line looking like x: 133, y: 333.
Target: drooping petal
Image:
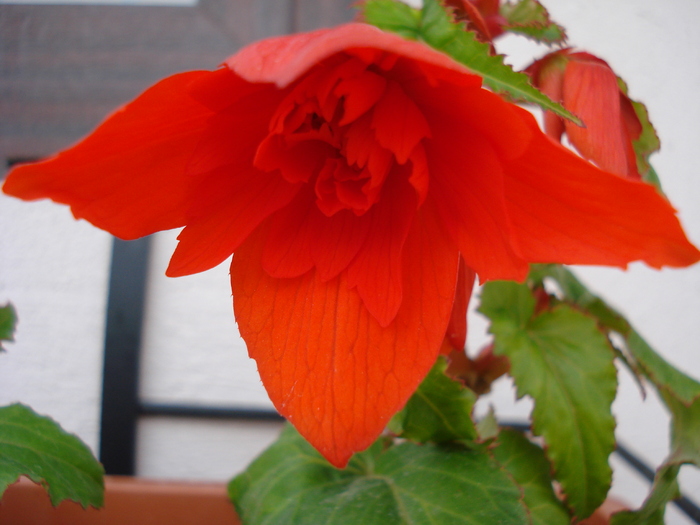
x: 327, y: 364
x: 283, y: 59
x: 565, y: 210
x: 112, y: 176
x: 457, y: 329
x: 377, y: 269
x: 590, y: 91
x: 229, y: 204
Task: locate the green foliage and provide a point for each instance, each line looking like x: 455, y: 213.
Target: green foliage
x: 560, y: 359
x: 291, y: 484
x: 37, y: 447
x: 8, y: 321
x: 652, y: 511
x: 439, y: 411
x: 433, y: 25
x: 529, y: 467
x: 648, y: 141
x: 531, y: 19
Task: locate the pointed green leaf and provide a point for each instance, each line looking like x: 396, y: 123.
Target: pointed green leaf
x: 531, y: 19
x: 291, y: 484
x: 37, y: 447
x: 665, y: 489
x: 434, y: 26
x: 438, y: 411
x: 529, y: 467
x: 565, y: 364
x: 8, y: 321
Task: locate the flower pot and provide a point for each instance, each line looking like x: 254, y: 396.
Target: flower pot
x: 128, y: 501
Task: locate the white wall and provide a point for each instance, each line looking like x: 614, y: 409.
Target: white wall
x: 55, y: 271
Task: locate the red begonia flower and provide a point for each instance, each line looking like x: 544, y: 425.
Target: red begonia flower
x: 350, y: 171
x: 588, y: 87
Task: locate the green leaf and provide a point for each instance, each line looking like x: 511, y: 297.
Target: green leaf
x: 685, y: 431
x: 37, y: 447
x: 531, y: 19
x: 393, y: 16
x: 565, y: 364
x: 434, y: 26
x: 576, y: 293
x: 661, y: 373
x: 665, y: 489
x: 529, y: 467
x: 438, y: 411
x: 648, y: 141
x: 8, y: 321
x: 291, y: 484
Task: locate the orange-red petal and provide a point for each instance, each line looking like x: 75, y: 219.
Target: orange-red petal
x: 564, y: 210
x: 327, y: 364
x: 112, y: 176
x: 229, y: 204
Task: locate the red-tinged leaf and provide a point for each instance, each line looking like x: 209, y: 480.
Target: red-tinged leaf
x: 291, y: 484
x: 562, y: 360
x: 328, y: 365
x: 531, y: 19
x: 111, y: 177
x: 564, y: 210
x: 646, y: 141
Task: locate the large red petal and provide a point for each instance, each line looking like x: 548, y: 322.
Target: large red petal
x: 327, y: 364
x: 565, y: 210
x: 230, y: 203
x: 284, y: 59
x: 128, y: 176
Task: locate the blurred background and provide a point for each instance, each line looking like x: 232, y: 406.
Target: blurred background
x: 64, y: 66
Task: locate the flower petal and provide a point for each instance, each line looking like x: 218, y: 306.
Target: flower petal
x: 590, y: 90
x: 283, y: 59
x: 564, y: 210
x: 141, y: 150
x: 457, y: 329
x: 377, y: 270
x: 327, y: 364
x: 230, y: 203
x: 467, y: 182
